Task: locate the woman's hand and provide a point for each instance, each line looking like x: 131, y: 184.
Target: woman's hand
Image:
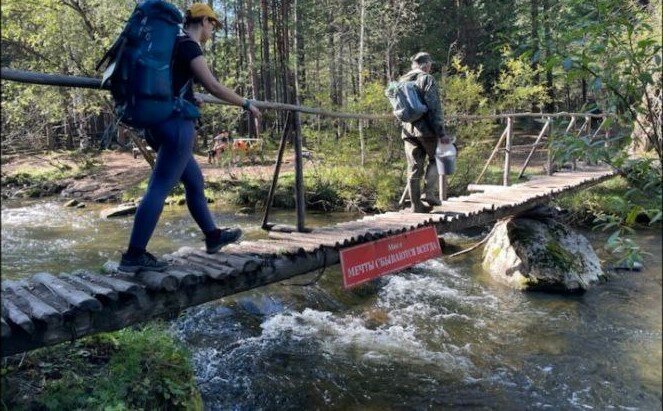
x: 255, y: 111
x: 199, y: 101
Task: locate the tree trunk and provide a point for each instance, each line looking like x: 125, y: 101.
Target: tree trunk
x: 360, y: 69
x: 252, y: 49
x: 299, y: 50
x: 534, y: 39
x: 547, y: 42
x: 240, y: 39
x: 266, y: 64
x: 331, y: 60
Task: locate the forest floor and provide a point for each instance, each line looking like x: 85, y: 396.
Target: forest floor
x: 108, y: 174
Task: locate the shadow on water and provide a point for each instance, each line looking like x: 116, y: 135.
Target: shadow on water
x: 438, y: 335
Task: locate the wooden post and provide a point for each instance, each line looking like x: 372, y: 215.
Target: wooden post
x: 584, y: 125
x: 142, y: 147
x: 571, y: 124
x: 549, y: 159
x: 277, y: 171
x: 300, y: 203
x: 490, y: 158
x: 507, y: 151
x: 536, y: 143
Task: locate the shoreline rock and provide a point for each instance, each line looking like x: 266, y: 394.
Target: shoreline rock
x: 541, y: 255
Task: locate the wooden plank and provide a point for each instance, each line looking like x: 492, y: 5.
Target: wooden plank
x: 248, y: 247
x: 30, y: 304
x: 269, y: 251
x: 16, y: 316
x: 66, y: 291
x: 242, y: 263
x: 284, y: 249
x: 315, y: 244
x: 157, y: 281
x: 321, y: 237
x: 90, y: 287
x: 213, y: 272
x: 186, y: 277
x: 117, y: 284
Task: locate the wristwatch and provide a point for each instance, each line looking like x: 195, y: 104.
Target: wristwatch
x: 246, y: 104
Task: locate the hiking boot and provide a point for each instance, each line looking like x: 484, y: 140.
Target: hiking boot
x: 220, y: 238
x: 431, y: 201
x: 415, y: 198
x: 144, y: 262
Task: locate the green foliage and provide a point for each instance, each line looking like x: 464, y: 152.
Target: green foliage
x: 28, y: 176
x: 464, y: 94
x: 126, y: 370
x: 618, y: 207
x: 328, y: 188
x: 516, y: 89
x: 627, y: 37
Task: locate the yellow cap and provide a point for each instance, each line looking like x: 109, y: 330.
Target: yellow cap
x: 203, y: 10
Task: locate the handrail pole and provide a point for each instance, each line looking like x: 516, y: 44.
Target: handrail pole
x: 536, y: 143
x: 574, y: 165
x: 571, y: 124
x: 277, y: 171
x: 490, y: 158
x: 549, y: 159
x: 23, y: 76
x: 507, y: 151
x: 300, y: 203
x: 596, y: 133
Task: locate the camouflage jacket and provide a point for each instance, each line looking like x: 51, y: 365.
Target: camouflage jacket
x: 431, y: 125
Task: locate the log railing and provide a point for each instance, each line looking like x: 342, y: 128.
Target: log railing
x: 546, y: 131
x: 293, y: 126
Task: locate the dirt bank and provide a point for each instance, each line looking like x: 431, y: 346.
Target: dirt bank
x: 113, y: 173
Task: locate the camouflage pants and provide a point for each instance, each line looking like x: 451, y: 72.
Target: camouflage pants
x: 420, y: 155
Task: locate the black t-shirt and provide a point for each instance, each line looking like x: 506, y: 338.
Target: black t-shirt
x: 184, y: 51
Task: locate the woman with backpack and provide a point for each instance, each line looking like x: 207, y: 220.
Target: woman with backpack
x: 173, y: 140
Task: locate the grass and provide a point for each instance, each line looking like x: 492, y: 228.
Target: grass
x: 604, y: 198
x: 31, y: 176
x: 128, y: 369
x: 333, y: 188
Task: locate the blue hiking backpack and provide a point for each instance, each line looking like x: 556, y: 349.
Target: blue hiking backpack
x: 406, y: 101
x: 140, y: 65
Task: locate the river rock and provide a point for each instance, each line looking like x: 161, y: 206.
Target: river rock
x: 71, y: 203
x: 119, y: 211
x: 79, y: 188
x: 541, y: 255
x: 245, y: 211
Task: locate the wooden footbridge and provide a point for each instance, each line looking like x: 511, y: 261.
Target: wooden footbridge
x: 47, y: 309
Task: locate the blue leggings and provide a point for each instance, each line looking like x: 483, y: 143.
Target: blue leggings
x: 173, y: 141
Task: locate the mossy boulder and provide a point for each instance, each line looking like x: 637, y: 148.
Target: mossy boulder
x: 541, y: 255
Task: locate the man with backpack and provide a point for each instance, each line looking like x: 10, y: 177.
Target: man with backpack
x: 421, y: 136
x: 172, y: 138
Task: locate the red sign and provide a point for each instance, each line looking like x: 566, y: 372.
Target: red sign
x: 365, y: 262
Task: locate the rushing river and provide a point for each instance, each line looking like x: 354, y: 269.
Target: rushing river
x: 439, y: 335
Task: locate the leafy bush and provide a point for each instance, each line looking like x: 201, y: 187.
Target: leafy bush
x: 128, y: 369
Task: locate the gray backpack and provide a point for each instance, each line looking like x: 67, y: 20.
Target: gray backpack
x: 406, y: 101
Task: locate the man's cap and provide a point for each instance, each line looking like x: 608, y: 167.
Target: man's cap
x: 197, y: 10
x: 422, y: 58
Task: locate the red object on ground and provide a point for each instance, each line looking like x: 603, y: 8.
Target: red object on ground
x: 365, y: 262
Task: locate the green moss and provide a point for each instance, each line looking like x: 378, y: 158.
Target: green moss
x: 557, y: 257
x: 128, y: 369
x: 521, y: 232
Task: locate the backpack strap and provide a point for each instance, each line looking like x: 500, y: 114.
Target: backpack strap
x: 182, y: 38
